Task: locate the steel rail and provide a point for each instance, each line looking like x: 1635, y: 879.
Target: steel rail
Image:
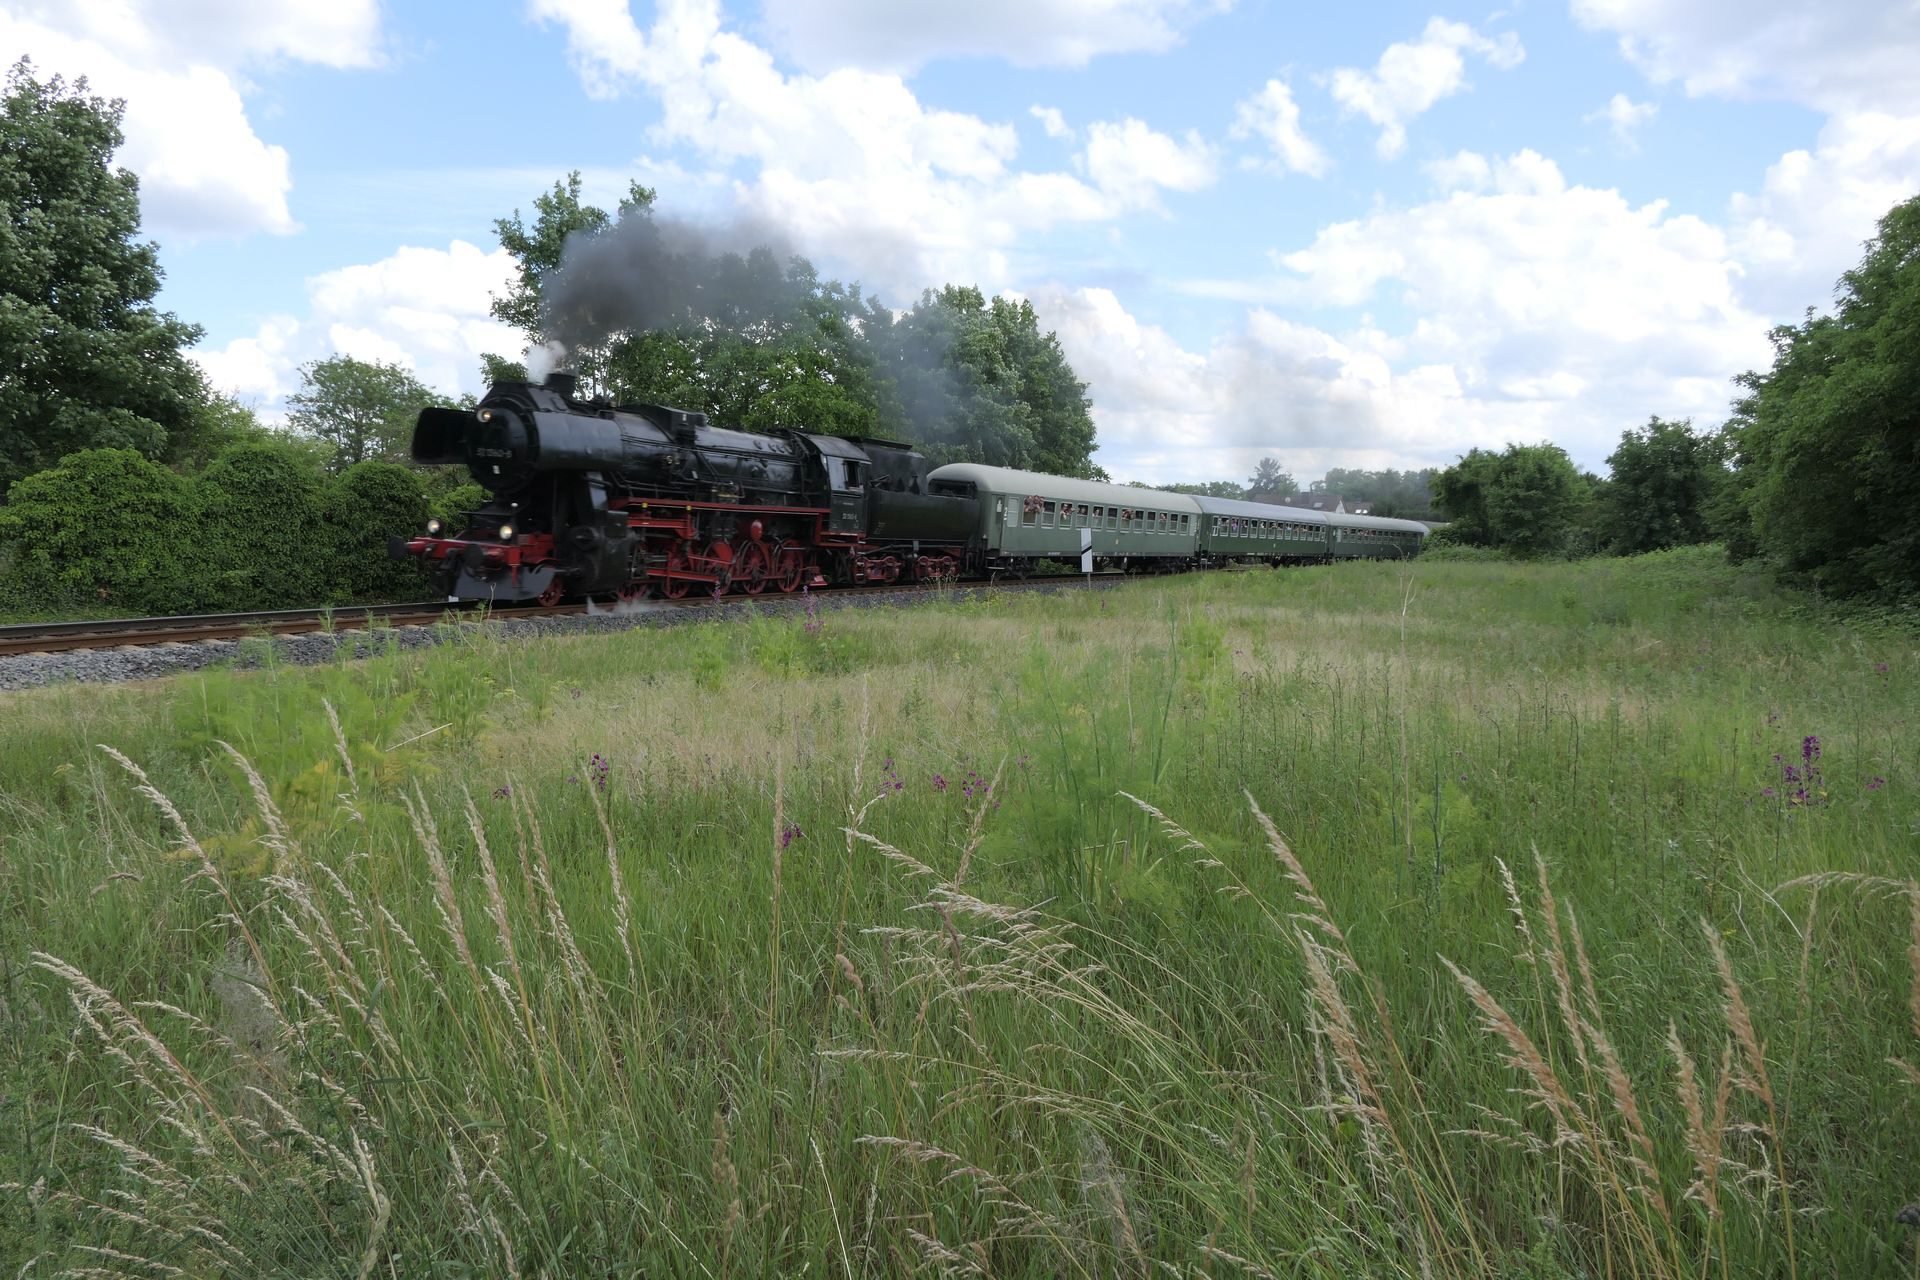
x: 110, y: 633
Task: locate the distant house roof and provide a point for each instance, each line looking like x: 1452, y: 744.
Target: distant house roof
x: 1318, y: 502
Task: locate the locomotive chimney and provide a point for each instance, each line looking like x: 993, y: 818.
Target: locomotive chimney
x: 562, y: 382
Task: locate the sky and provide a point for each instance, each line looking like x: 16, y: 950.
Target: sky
x: 1361, y: 235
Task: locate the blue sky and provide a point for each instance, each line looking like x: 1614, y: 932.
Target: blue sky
x: 1369, y: 235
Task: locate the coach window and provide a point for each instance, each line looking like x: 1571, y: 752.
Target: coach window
x: 1030, y: 515
x: 1046, y: 515
x: 1080, y: 516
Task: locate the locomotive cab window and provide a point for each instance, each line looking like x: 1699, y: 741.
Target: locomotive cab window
x: 852, y: 479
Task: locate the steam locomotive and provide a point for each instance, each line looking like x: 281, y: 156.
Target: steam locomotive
x: 589, y: 499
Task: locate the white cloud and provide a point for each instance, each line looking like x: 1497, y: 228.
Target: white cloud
x: 1625, y: 117
x: 1534, y: 309
x: 1133, y: 163
x: 1411, y: 77
x: 887, y: 35
x: 851, y: 162
x: 1837, y: 55
x: 1816, y: 208
x: 1272, y: 386
x: 424, y: 309
x: 222, y: 33
x: 1052, y: 121
x: 203, y: 169
x: 1853, y: 60
x: 1274, y: 117
x: 1462, y: 171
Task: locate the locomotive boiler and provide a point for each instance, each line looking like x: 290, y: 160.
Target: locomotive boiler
x: 591, y: 499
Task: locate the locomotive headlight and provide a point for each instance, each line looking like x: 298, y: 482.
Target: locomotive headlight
x: 506, y: 533
x: 433, y: 528
x: 485, y: 415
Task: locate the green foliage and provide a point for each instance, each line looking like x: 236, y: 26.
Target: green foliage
x: 104, y: 528
x: 1828, y: 439
x: 1665, y: 479
x: 979, y: 382
x: 261, y: 541
x: 451, y: 505
x: 359, y: 409
x: 1523, y: 501
x: 363, y: 506
x: 90, y: 363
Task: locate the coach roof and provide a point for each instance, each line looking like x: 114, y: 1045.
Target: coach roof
x: 1005, y: 480
x: 1258, y: 510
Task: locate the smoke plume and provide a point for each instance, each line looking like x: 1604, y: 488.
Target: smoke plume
x: 647, y: 273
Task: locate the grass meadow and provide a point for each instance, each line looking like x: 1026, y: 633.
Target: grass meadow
x: 1452, y: 919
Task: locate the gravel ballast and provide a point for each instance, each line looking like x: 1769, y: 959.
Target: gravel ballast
x: 148, y: 662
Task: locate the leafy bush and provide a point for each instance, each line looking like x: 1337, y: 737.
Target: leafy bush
x: 106, y: 526
x: 262, y: 542
x: 1436, y: 549
x: 364, y: 506
x: 453, y: 504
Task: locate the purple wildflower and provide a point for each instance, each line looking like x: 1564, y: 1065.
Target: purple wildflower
x: 1810, y: 749
x: 939, y: 783
x: 1875, y: 783
x: 1880, y: 668
x: 791, y: 832
x: 1769, y: 793
x: 599, y: 767
x: 502, y: 792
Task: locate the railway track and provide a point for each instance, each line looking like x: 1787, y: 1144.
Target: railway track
x: 110, y: 633
x: 116, y: 633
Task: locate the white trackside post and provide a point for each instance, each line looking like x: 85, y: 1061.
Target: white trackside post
x: 1086, y: 552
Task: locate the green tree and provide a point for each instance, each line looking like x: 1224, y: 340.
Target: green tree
x: 980, y: 382
x: 89, y: 362
x: 1664, y: 478
x: 771, y: 344
x: 1270, y: 477
x: 1523, y: 500
x: 359, y: 409
x: 1828, y: 440
x: 104, y: 529
x: 538, y: 250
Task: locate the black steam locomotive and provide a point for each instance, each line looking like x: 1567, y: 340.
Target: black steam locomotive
x: 592, y: 499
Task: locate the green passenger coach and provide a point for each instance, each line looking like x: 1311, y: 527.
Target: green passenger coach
x: 1027, y: 517
x: 1374, y: 537
x: 1259, y: 533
